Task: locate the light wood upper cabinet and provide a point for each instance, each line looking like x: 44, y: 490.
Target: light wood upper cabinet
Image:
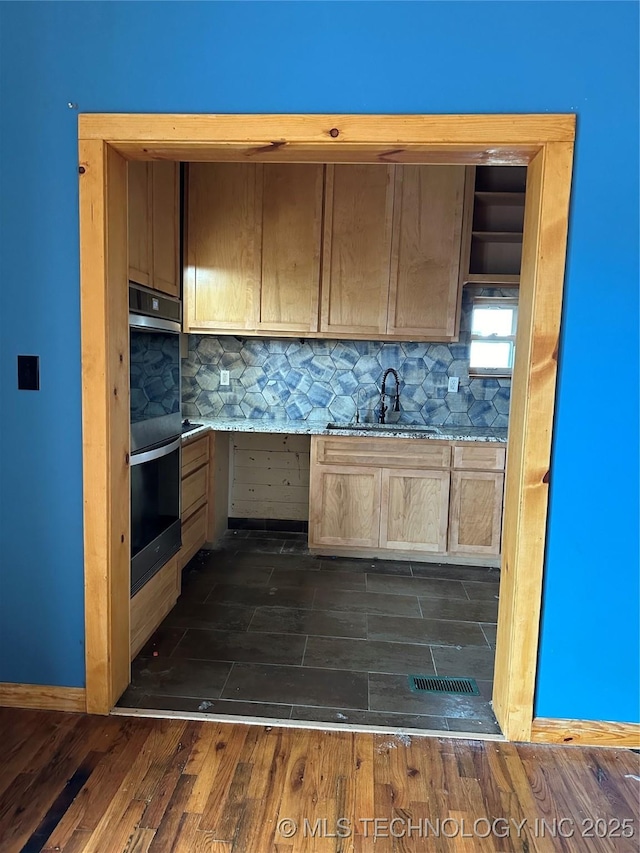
x: 357, y: 249
x: 223, y: 247
x: 139, y: 215
x: 165, y: 181
x: 425, y: 259
x: 254, y: 237
x: 292, y: 198
x: 387, y: 239
x: 154, y: 213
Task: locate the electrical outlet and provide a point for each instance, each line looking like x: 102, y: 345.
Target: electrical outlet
x: 224, y: 377
x: 454, y: 381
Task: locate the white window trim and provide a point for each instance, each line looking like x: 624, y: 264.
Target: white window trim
x: 495, y: 372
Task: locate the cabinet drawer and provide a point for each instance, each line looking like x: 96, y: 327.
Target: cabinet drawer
x: 488, y: 457
x: 194, y: 455
x: 194, y: 535
x: 384, y: 452
x: 151, y: 604
x: 194, y: 490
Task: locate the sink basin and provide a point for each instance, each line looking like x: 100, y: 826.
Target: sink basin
x: 386, y: 428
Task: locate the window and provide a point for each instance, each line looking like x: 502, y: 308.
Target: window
x: 493, y: 335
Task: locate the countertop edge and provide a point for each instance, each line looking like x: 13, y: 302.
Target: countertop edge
x: 291, y: 428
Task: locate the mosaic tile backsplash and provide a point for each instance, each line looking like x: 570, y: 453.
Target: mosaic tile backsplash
x: 323, y: 381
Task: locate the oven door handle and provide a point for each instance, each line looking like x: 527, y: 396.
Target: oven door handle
x: 153, y: 324
x: 156, y: 453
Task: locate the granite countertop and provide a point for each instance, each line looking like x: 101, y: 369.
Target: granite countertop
x: 444, y: 433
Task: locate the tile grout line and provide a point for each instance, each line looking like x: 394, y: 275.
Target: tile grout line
x: 484, y: 635
x: 184, y: 631
x: 226, y: 679
x: 433, y: 661
x: 248, y: 628
x: 304, y: 651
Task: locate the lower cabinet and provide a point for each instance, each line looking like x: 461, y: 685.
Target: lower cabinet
x: 415, y: 507
x: 476, y: 512
x: 151, y: 604
x: 196, y: 497
x: 344, y: 506
x: 425, y: 497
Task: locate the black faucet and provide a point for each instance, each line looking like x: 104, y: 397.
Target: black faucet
x: 383, y: 393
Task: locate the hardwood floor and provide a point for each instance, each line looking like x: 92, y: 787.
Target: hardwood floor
x: 81, y: 784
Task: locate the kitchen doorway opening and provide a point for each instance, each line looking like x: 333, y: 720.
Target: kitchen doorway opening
x: 543, y: 143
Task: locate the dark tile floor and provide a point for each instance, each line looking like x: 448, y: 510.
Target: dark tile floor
x: 264, y: 629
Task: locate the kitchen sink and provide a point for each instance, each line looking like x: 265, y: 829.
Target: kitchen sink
x: 386, y: 428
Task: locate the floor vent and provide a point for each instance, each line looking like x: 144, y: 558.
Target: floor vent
x: 442, y: 684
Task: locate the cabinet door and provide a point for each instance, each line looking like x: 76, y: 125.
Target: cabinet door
x: 427, y: 233
x: 344, y: 506
x: 223, y: 246
x: 139, y: 217
x: 415, y: 509
x: 476, y: 512
x: 165, y: 221
x: 291, y: 239
x: 151, y: 604
x: 357, y: 249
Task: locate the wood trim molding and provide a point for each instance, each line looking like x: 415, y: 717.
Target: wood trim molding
x: 42, y: 697
x: 211, y: 130
x: 454, y: 139
x: 586, y: 732
x: 105, y: 421
x: 544, y: 142
x: 529, y: 443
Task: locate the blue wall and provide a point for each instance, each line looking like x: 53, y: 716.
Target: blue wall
x: 325, y: 57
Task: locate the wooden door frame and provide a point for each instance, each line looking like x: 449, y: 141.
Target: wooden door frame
x: 106, y: 141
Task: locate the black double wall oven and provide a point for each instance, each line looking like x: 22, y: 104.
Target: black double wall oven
x: 154, y: 341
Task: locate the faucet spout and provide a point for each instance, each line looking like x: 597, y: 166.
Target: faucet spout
x: 383, y: 393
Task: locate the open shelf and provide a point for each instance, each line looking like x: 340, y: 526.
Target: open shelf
x: 498, y: 216
x: 509, y: 179
x: 495, y: 198
x: 492, y: 258
x: 497, y: 236
x: 482, y: 280
x: 494, y: 238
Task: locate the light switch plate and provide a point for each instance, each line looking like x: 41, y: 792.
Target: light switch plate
x: 224, y: 377
x: 454, y: 381
x: 28, y: 373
